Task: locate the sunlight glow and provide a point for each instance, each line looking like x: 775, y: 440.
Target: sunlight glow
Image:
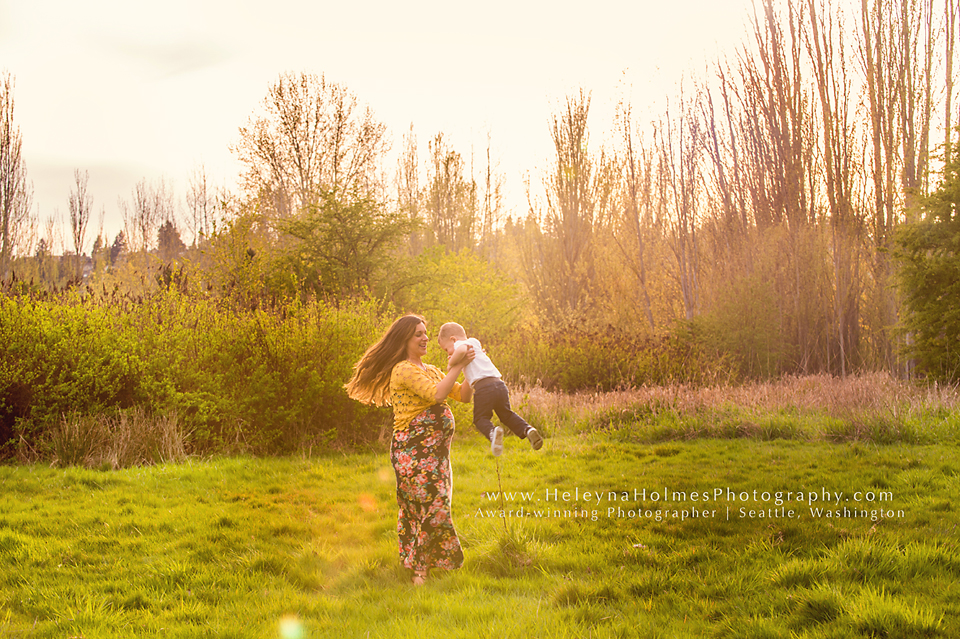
x: 367, y: 502
x: 290, y: 627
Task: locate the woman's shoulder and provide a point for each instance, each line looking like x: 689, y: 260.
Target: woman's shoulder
x: 405, y: 368
x: 401, y: 367
x: 407, y: 372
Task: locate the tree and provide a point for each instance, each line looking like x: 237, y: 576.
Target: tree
x: 150, y: 205
x: 42, y: 257
x: 80, y: 207
x: 408, y: 187
x: 636, y: 207
x: 45, y: 256
x: 778, y: 140
x: 560, y: 266
x: 205, y: 203
x: 466, y: 286
x: 679, y: 157
x: 99, y: 254
x: 928, y: 252
x: 169, y: 244
x: 491, y: 207
x: 16, y: 194
x: 950, y: 37
x: 312, y: 136
x: 118, y: 248
x: 825, y: 44
x: 896, y: 45
x: 98, y: 246
x: 449, y: 199
x: 344, y: 246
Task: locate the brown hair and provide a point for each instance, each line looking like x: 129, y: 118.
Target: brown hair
x: 370, y: 383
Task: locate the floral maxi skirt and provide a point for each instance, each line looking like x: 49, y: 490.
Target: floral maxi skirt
x: 421, y: 460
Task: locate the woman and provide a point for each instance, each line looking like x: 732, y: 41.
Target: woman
x: 392, y: 372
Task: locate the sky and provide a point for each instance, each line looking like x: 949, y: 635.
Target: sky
x: 132, y: 91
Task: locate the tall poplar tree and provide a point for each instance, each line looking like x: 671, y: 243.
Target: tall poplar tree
x: 16, y: 194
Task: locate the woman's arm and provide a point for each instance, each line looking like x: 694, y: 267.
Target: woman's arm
x: 445, y: 387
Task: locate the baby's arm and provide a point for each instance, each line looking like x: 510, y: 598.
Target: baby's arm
x: 459, y: 355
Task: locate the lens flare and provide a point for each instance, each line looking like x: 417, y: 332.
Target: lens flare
x: 291, y: 628
x: 367, y: 502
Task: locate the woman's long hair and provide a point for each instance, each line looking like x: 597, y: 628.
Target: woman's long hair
x: 370, y: 383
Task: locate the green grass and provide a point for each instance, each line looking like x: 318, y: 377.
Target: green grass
x: 292, y: 548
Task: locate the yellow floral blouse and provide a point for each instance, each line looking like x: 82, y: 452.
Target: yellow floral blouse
x: 413, y: 390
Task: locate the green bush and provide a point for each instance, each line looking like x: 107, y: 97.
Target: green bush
x: 261, y: 381
x: 928, y: 253
x: 56, y: 358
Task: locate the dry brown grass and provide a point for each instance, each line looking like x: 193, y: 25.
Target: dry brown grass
x: 854, y: 399
x: 132, y: 438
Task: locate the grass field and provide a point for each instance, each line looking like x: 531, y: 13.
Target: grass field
x: 743, y: 520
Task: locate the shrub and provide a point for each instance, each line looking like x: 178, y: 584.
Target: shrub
x: 929, y: 278
x: 265, y: 381
x: 60, y: 358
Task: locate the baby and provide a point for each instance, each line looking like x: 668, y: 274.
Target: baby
x: 490, y: 394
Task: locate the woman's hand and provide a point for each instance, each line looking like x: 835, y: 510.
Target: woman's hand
x: 453, y: 372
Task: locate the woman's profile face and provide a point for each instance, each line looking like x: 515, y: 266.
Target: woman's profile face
x: 417, y: 345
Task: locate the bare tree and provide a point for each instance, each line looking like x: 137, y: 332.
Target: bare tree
x: 81, y: 205
x: 722, y: 148
x: 408, y: 190
x: 950, y: 36
x: 775, y: 97
x: 150, y: 206
x: 491, y: 206
x: 205, y: 204
x: 787, y: 186
x: 561, y: 266
x: 636, y: 221
x: 312, y: 135
x: 450, y: 198
x: 779, y: 141
x: 916, y: 101
x: 16, y: 194
x: 827, y: 52
x: 408, y: 174
x: 680, y: 158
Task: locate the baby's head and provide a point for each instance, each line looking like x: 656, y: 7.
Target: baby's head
x: 450, y: 333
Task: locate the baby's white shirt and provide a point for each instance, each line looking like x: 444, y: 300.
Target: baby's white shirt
x: 481, y: 366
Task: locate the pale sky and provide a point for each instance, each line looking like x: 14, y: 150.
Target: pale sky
x: 129, y: 90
